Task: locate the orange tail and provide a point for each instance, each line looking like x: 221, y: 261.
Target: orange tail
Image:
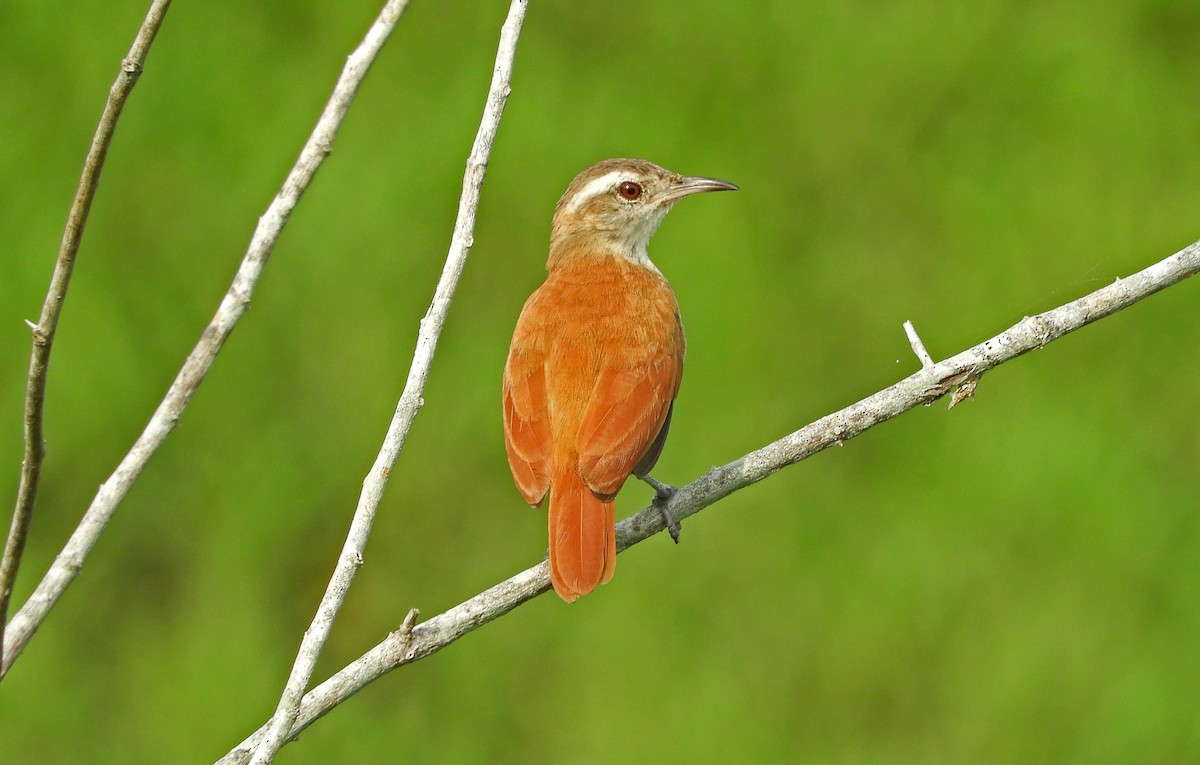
x: 583, y: 539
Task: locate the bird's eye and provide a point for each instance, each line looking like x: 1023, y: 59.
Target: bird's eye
x: 629, y: 190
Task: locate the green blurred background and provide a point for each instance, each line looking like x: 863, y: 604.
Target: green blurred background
x: 1012, y: 582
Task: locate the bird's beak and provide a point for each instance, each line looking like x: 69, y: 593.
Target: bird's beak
x: 695, y: 184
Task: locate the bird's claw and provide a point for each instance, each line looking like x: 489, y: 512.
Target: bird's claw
x: 662, y: 495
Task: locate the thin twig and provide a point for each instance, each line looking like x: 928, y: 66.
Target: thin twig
x: 918, y: 347
x: 283, y: 722
x: 924, y: 386
x: 66, y: 566
x: 47, y: 325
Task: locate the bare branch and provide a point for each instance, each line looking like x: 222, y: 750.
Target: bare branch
x: 47, y: 325
x: 401, y: 647
x: 925, y: 386
x: 283, y: 722
x: 66, y: 566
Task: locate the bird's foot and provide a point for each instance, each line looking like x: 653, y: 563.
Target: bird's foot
x: 662, y: 495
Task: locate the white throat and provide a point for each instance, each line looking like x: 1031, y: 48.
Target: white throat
x: 638, y: 256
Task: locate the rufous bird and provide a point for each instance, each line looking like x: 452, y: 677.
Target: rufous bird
x: 595, y: 363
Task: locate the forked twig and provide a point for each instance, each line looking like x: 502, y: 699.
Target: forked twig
x: 918, y: 347
x: 928, y: 384
x: 282, y: 726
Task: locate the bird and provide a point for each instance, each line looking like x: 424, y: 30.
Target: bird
x: 595, y: 364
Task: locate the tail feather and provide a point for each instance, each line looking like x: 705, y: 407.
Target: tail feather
x: 583, y: 540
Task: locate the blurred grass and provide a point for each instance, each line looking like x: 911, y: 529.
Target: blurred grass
x: 1015, y: 582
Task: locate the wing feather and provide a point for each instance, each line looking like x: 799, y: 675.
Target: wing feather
x: 625, y: 413
x: 527, y: 423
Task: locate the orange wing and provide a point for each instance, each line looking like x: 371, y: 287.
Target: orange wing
x: 526, y: 421
x: 625, y: 413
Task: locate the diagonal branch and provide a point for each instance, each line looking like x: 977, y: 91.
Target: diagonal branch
x: 934, y: 380
x: 66, y: 566
x: 282, y: 723
x: 47, y: 325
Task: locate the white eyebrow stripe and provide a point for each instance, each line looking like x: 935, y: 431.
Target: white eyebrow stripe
x: 593, y: 188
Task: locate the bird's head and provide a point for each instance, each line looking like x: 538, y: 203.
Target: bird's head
x: 615, y: 206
